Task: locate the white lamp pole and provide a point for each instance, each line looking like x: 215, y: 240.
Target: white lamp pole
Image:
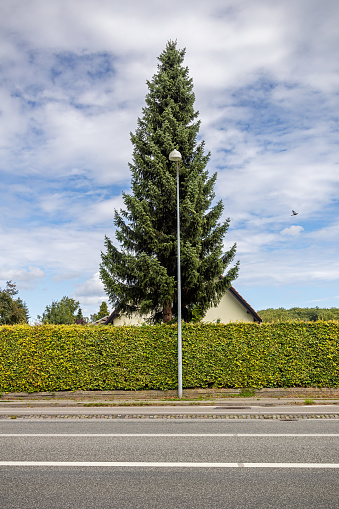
x: 176, y: 156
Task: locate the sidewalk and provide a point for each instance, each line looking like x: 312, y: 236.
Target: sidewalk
x: 215, y: 403
x: 295, y: 395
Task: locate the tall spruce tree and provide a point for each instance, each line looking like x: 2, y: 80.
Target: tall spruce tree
x: 142, y: 274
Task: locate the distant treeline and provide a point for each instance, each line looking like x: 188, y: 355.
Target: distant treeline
x: 305, y: 314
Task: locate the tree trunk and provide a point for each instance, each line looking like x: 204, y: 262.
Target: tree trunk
x: 167, y: 312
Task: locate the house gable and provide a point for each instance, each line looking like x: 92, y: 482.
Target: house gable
x: 232, y: 308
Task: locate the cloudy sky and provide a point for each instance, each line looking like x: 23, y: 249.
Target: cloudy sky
x: 72, y: 85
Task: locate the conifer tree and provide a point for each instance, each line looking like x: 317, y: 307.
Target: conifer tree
x: 103, y: 311
x: 142, y: 274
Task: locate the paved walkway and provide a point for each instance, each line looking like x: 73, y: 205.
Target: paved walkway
x: 196, y: 403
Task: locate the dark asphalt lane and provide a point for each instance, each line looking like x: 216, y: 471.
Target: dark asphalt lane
x: 97, y: 488
x: 88, y: 486
x: 216, y: 449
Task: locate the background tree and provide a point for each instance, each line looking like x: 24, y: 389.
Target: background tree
x: 65, y: 311
x: 103, y: 311
x: 80, y: 319
x: 142, y: 274
x: 22, y: 304
x: 302, y: 314
x: 12, y: 310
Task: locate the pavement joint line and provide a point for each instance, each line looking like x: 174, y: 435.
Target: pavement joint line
x: 170, y: 435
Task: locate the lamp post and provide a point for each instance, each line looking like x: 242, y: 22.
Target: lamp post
x: 176, y: 156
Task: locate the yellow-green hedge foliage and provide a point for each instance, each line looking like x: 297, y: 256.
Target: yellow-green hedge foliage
x: 71, y: 357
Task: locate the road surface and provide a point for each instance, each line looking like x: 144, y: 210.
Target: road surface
x: 169, y: 463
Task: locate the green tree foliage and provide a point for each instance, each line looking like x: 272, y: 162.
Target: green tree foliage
x: 24, y: 307
x: 103, y: 311
x: 80, y: 319
x: 143, y: 274
x: 12, y: 310
x: 299, y: 314
x: 65, y: 311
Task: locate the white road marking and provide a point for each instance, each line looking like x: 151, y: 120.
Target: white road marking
x: 161, y: 464
x: 162, y: 435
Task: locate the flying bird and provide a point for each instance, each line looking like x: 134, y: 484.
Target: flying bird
x: 294, y: 213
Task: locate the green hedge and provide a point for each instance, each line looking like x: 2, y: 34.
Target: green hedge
x: 71, y: 357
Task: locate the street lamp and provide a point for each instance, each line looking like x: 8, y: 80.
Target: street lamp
x: 176, y: 156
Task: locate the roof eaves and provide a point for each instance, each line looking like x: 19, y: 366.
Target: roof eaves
x: 245, y: 304
x: 111, y: 317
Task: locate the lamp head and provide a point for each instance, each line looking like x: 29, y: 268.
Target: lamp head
x: 175, y: 156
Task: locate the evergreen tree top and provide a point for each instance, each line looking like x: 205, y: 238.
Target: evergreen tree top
x: 143, y: 274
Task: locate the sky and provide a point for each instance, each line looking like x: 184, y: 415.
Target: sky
x: 72, y: 86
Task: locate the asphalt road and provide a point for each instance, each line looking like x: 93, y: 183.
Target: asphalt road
x: 200, y: 463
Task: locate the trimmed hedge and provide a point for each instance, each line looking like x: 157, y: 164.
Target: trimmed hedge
x: 72, y: 357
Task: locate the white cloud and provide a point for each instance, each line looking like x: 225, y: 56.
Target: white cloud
x: 25, y: 278
x: 293, y: 230
x: 325, y: 299
x: 288, y: 267
x: 91, y: 288
x: 66, y: 276
x: 58, y: 250
x: 329, y: 233
x: 91, y: 294
x: 102, y: 212
x: 22, y: 275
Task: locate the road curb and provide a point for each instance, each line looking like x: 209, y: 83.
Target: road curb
x: 170, y: 416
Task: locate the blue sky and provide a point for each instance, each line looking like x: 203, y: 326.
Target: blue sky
x: 72, y: 85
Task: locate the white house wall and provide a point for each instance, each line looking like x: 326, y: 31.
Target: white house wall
x: 135, y: 319
x: 228, y: 310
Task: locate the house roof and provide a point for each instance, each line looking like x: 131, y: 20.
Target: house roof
x: 246, y: 305
x: 110, y: 318
x: 101, y: 321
